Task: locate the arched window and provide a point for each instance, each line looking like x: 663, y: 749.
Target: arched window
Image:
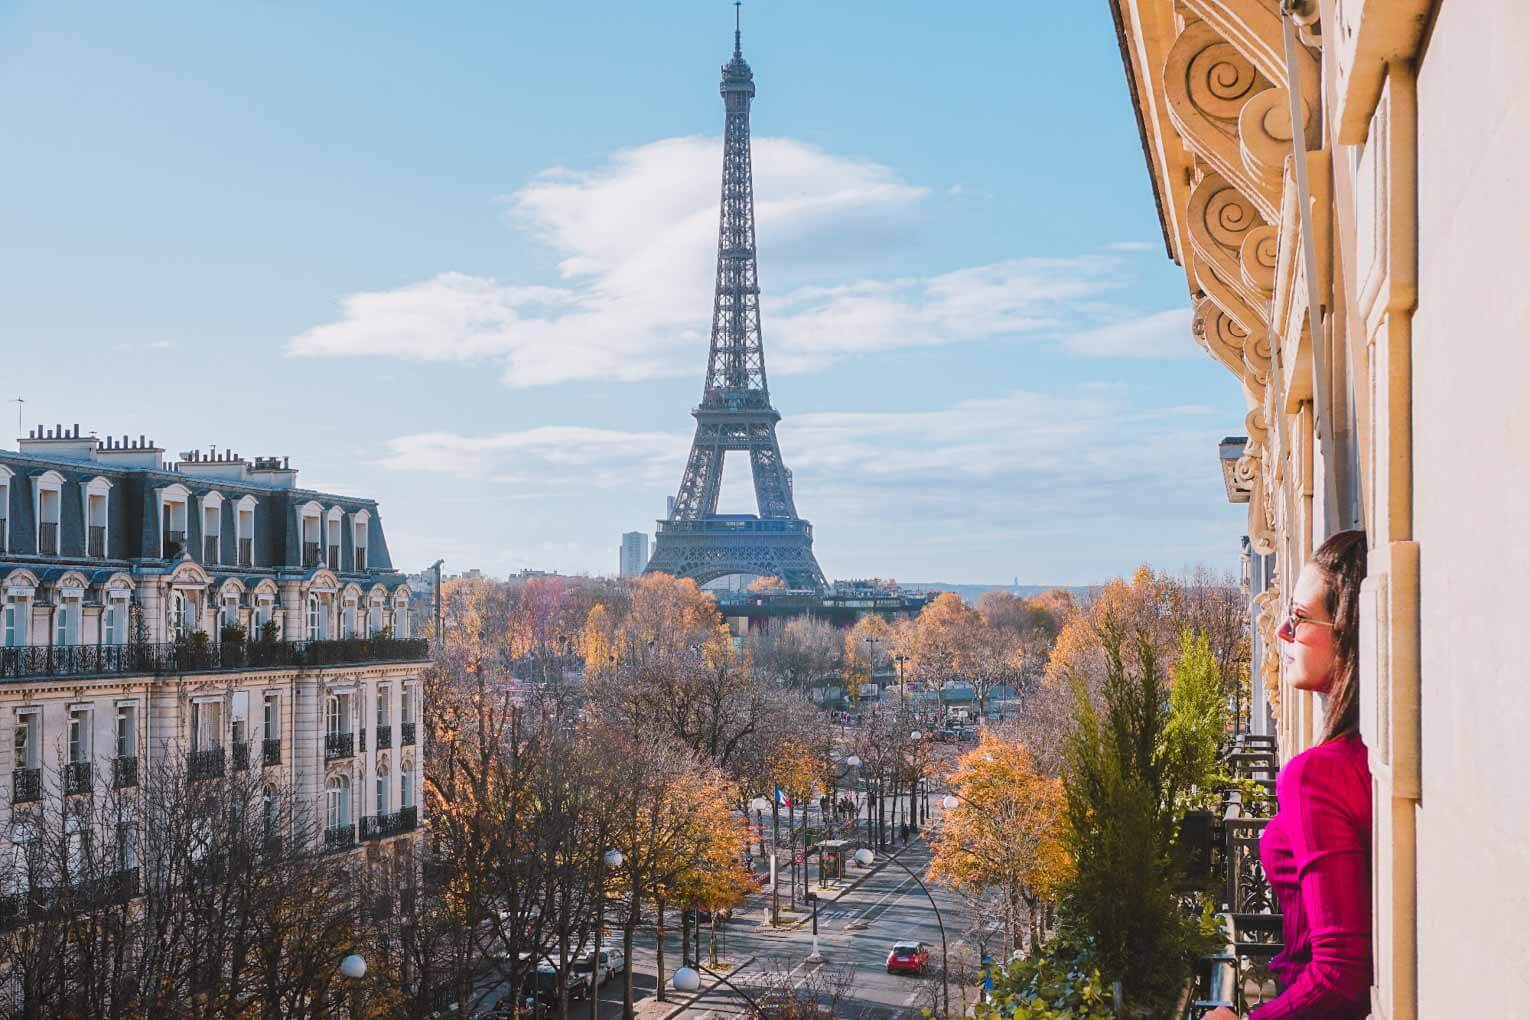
x: 180, y: 614
x: 337, y: 795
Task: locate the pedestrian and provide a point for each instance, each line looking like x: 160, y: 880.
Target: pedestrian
x: 903, y: 831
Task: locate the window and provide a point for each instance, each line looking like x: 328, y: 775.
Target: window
x: 5, y: 508
x: 97, y: 498
x: 337, y: 714
x: 239, y: 718
x: 311, y: 523
x: 15, y: 621
x: 228, y: 612
x: 206, y: 725
x: 127, y: 846
x: 244, y: 530
x: 359, y: 541
x: 374, y: 617
x: 406, y: 787
x: 265, y: 611
x: 114, y: 621
x: 74, y: 843
x: 382, y: 794
x: 318, y: 619
x: 24, y: 849
x: 172, y: 517
x: 66, y: 621
x: 127, y: 731
x: 212, y: 528
x: 407, y: 708
x: 269, y: 806
x: 337, y: 802
x: 332, y: 532
x: 272, y: 721
x: 180, y: 614
x: 79, y: 735
x: 49, y: 490
x: 349, y: 621
x: 382, y: 705
x: 401, y: 621
x: 28, y: 739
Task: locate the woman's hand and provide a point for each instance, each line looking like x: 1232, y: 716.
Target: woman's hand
x: 1221, y: 1013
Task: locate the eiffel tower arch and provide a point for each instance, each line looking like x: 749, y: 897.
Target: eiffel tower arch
x: 735, y: 412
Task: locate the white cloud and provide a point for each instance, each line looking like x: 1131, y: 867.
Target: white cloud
x: 1163, y: 334
x: 548, y: 457
x: 635, y: 244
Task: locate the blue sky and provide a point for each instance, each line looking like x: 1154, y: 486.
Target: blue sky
x: 458, y: 257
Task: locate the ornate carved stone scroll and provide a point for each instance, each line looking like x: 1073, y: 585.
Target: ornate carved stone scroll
x: 1220, y: 334
x: 1220, y: 218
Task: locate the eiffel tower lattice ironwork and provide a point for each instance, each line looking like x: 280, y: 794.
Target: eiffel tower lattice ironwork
x: 735, y: 412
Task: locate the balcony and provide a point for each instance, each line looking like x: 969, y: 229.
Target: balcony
x: 271, y: 752
x: 384, y: 738
x: 360, y: 556
x: 205, y: 764
x: 340, y: 837
x: 311, y: 555
x: 334, y: 557
x: 406, y: 734
x: 384, y: 826
x: 47, y: 538
x: 339, y: 745
x: 210, y: 552
x: 96, y: 538
x: 242, y: 756
x: 185, y: 657
x: 26, y: 786
x: 173, y: 543
x: 246, y: 552
x: 124, y: 772
x: 78, y: 777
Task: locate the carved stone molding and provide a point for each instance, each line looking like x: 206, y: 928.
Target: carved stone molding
x: 1264, y: 135
x: 1253, y: 26
x: 1220, y: 334
x: 1207, y: 82
x: 1267, y: 606
x: 1220, y: 217
x: 1257, y: 257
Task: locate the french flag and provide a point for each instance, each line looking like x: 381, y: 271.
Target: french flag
x: 782, y: 799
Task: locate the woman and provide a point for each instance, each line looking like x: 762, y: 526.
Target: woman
x: 1316, y: 851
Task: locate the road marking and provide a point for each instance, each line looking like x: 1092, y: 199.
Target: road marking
x: 898, y: 890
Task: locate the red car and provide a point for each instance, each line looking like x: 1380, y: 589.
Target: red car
x: 908, y: 958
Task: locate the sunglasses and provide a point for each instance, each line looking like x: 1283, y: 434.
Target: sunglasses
x: 1292, y: 622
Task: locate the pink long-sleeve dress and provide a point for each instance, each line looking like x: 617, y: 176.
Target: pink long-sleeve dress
x: 1316, y: 852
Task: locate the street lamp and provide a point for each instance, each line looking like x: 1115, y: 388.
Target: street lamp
x: 612, y: 859
x: 815, y: 956
x: 900, y: 659
x: 760, y: 804
x: 688, y: 979
x: 865, y: 857
x: 353, y: 968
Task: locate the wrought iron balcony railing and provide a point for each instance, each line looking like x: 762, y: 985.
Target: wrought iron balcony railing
x: 271, y: 752
x: 124, y: 772
x: 47, y: 538
x: 208, y: 764
x: 174, y: 543
x: 210, y: 551
x: 394, y: 824
x: 26, y: 786
x: 340, y: 837
x: 360, y: 556
x: 311, y: 555
x: 241, y: 756
x: 97, y: 542
x: 78, y: 777
x: 184, y: 656
x: 406, y: 734
x: 384, y: 737
x: 246, y: 552
x: 334, y: 557
x: 339, y: 745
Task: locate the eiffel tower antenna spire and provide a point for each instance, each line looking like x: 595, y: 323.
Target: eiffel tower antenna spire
x: 738, y: 35
x: 735, y: 413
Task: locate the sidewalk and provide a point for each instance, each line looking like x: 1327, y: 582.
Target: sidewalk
x: 652, y: 1009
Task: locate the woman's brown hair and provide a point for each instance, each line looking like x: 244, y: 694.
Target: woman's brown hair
x: 1342, y: 559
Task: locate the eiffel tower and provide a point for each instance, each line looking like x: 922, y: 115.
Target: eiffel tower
x: 735, y: 413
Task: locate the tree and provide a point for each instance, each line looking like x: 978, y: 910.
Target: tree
x: 868, y: 649
x: 1007, y: 831
x: 799, y: 655
x: 767, y: 583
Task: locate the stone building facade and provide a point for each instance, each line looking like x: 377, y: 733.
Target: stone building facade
x: 205, y: 615
x: 1362, y: 277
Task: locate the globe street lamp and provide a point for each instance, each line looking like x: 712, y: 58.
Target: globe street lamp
x: 688, y: 979
x: 612, y: 859
x: 865, y: 857
x: 353, y: 968
x: 900, y: 659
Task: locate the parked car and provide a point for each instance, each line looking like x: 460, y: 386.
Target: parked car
x: 908, y: 958
x: 612, y: 962
x: 544, y: 985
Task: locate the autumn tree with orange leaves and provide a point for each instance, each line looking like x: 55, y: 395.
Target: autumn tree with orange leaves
x: 1006, y: 833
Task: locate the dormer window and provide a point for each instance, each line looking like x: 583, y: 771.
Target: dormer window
x: 212, y: 528
x: 50, y: 485
x: 173, y: 517
x: 98, y: 493
x: 5, y: 508
x: 311, y: 521
x: 244, y: 528
x: 359, y: 541
x: 332, y: 538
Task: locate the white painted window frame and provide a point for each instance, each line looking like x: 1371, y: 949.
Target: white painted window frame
x: 48, y: 481
x: 98, y: 486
